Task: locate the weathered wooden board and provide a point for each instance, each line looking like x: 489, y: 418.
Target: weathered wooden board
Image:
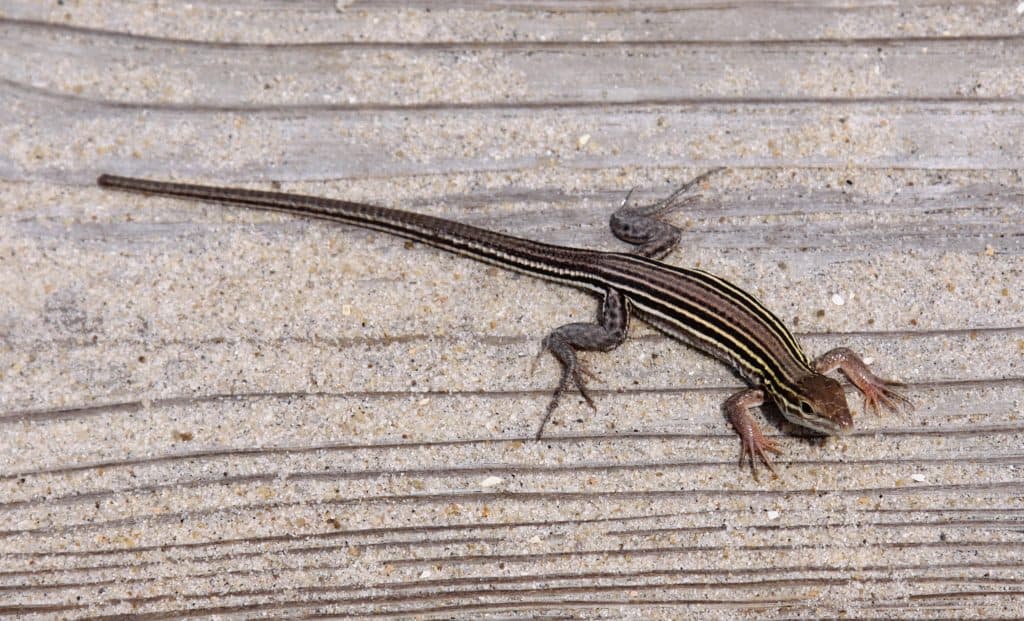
x: 211, y: 412
x: 539, y: 73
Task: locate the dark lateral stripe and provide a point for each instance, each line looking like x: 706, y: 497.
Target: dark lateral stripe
x: 744, y: 299
x: 694, y: 318
x: 508, y: 258
x: 761, y: 311
x: 702, y: 324
x: 656, y: 290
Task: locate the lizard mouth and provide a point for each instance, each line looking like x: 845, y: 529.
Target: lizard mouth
x: 828, y: 427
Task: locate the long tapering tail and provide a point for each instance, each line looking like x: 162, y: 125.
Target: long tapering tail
x: 546, y: 261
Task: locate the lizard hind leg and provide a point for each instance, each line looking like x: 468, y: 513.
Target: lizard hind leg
x: 608, y: 333
x: 639, y: 224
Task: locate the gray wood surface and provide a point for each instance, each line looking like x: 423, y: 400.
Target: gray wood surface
x: 210, y: 412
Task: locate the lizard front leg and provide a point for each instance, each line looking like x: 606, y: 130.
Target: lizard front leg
x: 878, y: 393
x: 753, y: 443
x: 608, y: 333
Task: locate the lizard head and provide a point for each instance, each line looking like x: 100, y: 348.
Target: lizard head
x: 821, y: 406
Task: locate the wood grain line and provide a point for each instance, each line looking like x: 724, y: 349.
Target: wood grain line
x: 498, y: 468
x: 502, y: 45
x: 41, y: 415
x: 966, y: 431
x: 477, y: 559
x: 342, y: 534
x: 196, y: 108
x: 1012, y: 487
x: 644, y: 532
x: 490, y: 579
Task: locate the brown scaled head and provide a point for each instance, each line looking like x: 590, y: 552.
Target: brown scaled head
x: 822, y: 406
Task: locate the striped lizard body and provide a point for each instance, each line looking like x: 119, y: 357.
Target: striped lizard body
x: 694, y: 306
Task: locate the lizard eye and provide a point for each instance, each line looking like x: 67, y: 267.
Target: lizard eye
x: 806, y: 408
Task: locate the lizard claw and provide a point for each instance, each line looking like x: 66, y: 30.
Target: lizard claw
x: 753, y: 444
x: 575, y: 373
x: 581, y: 385
x: 881, y: 395
x: 625, y: 201
x: 536, y: 360
x: 757, y: 444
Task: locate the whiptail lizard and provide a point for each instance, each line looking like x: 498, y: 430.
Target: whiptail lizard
x: 691, y: 305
